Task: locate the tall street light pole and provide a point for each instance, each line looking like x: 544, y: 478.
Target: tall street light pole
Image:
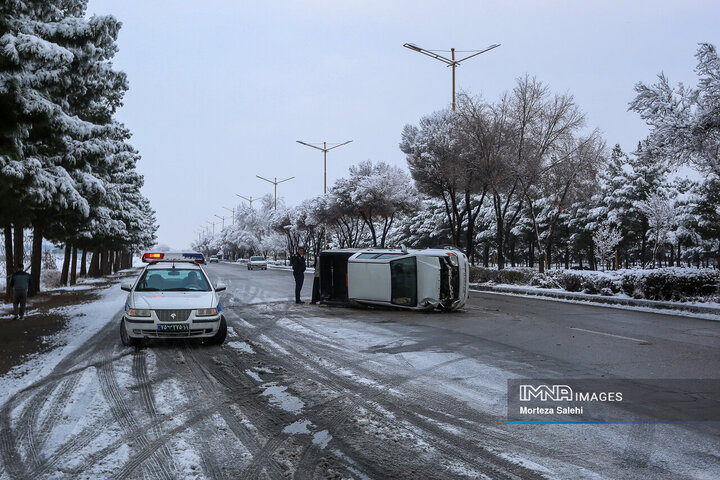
x: 274, y: 183
x: 251, y: 199
x: 451, y: 62
x: 324, y: 149
x: 233, y: 213
x: 213, y: 224
x: 221, y: 218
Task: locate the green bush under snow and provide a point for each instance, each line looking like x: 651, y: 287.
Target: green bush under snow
x: 669, y: 283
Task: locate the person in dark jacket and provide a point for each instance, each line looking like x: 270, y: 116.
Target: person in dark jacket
x: 19, y: 282
x: 297, y: 262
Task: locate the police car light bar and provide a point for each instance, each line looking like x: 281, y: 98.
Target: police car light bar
x: 152, y: 257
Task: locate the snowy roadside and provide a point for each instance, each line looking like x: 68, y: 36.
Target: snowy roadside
x: 706, y: 310
x: 288, y: 268
x: 86, y: 320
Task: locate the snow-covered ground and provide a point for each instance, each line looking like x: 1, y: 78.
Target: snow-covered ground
x: 87, y: 320
x: 314, y: 392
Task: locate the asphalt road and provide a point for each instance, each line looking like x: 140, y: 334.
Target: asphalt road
x: 310, y: 392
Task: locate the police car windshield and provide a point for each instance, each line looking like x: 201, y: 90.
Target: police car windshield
x: 172, y: 280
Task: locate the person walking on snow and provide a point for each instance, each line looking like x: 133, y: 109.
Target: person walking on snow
x: 19, y: 282
x: 297, y: 262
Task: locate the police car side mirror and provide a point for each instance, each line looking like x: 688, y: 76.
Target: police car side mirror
x: 220, y: 287
x: 126, y: 286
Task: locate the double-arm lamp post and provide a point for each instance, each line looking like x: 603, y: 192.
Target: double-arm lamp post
x: 275, y: 182
x: 451, y: 62
x: 250, y: 199
x: 324, y: 149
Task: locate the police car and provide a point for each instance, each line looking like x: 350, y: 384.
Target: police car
x: 172, y: 298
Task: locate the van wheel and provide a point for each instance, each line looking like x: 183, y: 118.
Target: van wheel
x: 219, y: 337
x: 126, y: 339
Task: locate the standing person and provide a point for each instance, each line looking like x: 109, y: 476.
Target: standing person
x: 316, y: 282
x: 19, y: 282
x: 297, y: 262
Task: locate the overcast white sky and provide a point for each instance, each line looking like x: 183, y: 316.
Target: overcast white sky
x: 220, y: 90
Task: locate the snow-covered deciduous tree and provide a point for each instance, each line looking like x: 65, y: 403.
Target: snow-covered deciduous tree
x: 661, y: 216
x: 685, y: 122
x: 575, y: 165
x: 434, y: 154
x: 606, y: 239
x: 379, y: 193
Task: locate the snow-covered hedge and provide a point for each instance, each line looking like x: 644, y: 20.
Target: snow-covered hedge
x: 510, y: 276
x: 671, y: 283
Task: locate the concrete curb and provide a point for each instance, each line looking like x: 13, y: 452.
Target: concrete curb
x: 631, y: 302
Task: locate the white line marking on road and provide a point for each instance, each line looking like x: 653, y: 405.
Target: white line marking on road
x: 610, y: 335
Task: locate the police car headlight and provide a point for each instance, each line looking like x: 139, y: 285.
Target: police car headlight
x: 139, y: 312
x: 206, y: 312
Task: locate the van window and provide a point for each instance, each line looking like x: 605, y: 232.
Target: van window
x: 367, y: 255
x: 403, y: 281
x: 389, y: 255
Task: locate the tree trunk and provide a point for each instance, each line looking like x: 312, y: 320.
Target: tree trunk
x: 567, y: 258
x: 643, y: 244
x: 83, y: 263
x: 102, y: 262
x: 512, y: 252
x: 117, y: 266
x: 500, y: 238
x: 548, y: 254
x: 486, y: 255
x: 94, y: 267
x: 35, y: 262
x: 9, y: 264
x: 19, y: 247
x: 531, y: 253
x: 73, y: 266
x: 65, y: 265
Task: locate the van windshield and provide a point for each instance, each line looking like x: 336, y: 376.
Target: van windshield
x: 403, y: 281
x: 172, y: 280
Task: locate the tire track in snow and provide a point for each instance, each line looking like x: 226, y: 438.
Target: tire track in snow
x: 363, y: 396
x: 126, y: 419
x: 205, y: 376
x: 139, y: 370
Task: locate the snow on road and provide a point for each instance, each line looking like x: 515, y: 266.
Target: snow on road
x: 306, y: 392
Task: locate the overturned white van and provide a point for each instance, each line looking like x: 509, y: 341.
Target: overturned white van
x: 411, y: 279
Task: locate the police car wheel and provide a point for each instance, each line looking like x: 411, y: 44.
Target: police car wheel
x: 219, y: 337
x: 126, y: 339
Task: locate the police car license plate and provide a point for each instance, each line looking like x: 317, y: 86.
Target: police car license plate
x: 173, y: 327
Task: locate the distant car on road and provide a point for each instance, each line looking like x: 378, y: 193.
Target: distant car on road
x: 172, y: 297
x: 214, y: 259
x: 256, y: 263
